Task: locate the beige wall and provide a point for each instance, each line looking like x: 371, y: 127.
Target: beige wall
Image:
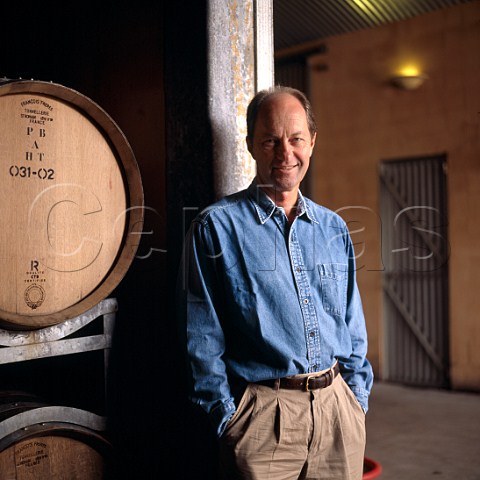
x: 362, y: 120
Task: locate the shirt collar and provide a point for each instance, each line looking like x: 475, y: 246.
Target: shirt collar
x: 265, y: 206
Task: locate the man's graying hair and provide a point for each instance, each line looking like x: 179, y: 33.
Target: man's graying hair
x: 257, y: 101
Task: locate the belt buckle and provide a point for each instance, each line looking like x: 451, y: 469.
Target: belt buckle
x: 307, y: 388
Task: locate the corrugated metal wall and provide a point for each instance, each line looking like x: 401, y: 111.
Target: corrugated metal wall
x: 415, y: 280
x: 301, y: 21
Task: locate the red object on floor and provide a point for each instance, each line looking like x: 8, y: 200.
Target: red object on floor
x: 371, y: 469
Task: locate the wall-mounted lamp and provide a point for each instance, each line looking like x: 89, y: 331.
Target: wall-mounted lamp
x: 409, y: 78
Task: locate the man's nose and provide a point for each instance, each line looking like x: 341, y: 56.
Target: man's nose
x: 284, y: 150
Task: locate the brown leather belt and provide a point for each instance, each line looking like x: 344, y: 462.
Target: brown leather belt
x: 304, y: 382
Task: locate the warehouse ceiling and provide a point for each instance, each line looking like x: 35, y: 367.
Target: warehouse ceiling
x: 298, y: 22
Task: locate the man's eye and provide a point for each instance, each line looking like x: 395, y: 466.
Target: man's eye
x: 269, y: 143
x: 297, y: 140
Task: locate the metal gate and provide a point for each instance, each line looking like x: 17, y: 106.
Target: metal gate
x: 415, y: 254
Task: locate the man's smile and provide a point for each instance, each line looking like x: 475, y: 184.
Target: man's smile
x: 285, y: 167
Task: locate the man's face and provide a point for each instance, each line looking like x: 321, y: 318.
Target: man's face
x: 281, y: 143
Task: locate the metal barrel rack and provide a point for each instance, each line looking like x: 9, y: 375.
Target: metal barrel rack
x: 55, y: 441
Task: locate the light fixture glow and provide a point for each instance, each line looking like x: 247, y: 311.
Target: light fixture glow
x: 409, y: 71
x: 409, y: 77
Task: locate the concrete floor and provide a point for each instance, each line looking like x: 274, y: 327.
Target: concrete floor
x: 418, y: 434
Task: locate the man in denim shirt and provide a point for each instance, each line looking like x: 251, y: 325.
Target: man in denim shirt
x: 272, y: 317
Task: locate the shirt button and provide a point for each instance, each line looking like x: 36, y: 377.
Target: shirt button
x: 299, y: 269
x: 305, y: 301
x: 315, y: 367
x: 312, y: 334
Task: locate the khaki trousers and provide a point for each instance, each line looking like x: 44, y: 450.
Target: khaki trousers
x: 280, y: 434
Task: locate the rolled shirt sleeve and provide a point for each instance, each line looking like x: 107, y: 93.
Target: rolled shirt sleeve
x: 201, y: 328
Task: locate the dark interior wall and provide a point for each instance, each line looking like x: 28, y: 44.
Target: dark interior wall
x: 145, y: 64
x: 189, y: 189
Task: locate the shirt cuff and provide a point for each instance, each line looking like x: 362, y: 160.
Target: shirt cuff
x: 362, y: 397
x: 220, y: 415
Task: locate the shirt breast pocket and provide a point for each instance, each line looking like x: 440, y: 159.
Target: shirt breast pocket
x: 334, y: 278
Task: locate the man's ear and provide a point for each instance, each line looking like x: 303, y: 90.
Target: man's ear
x: 249, y: 145
x: 313, y: 142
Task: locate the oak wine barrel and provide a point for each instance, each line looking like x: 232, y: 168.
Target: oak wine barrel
x: 72, y: 204
x: 43, y: 442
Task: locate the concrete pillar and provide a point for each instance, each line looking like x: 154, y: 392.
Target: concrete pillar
x: 240, y: 62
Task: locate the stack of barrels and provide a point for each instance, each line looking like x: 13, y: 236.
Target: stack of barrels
x: 70, y: 223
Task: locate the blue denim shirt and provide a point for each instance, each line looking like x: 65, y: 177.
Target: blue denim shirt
x: 261, y: 298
